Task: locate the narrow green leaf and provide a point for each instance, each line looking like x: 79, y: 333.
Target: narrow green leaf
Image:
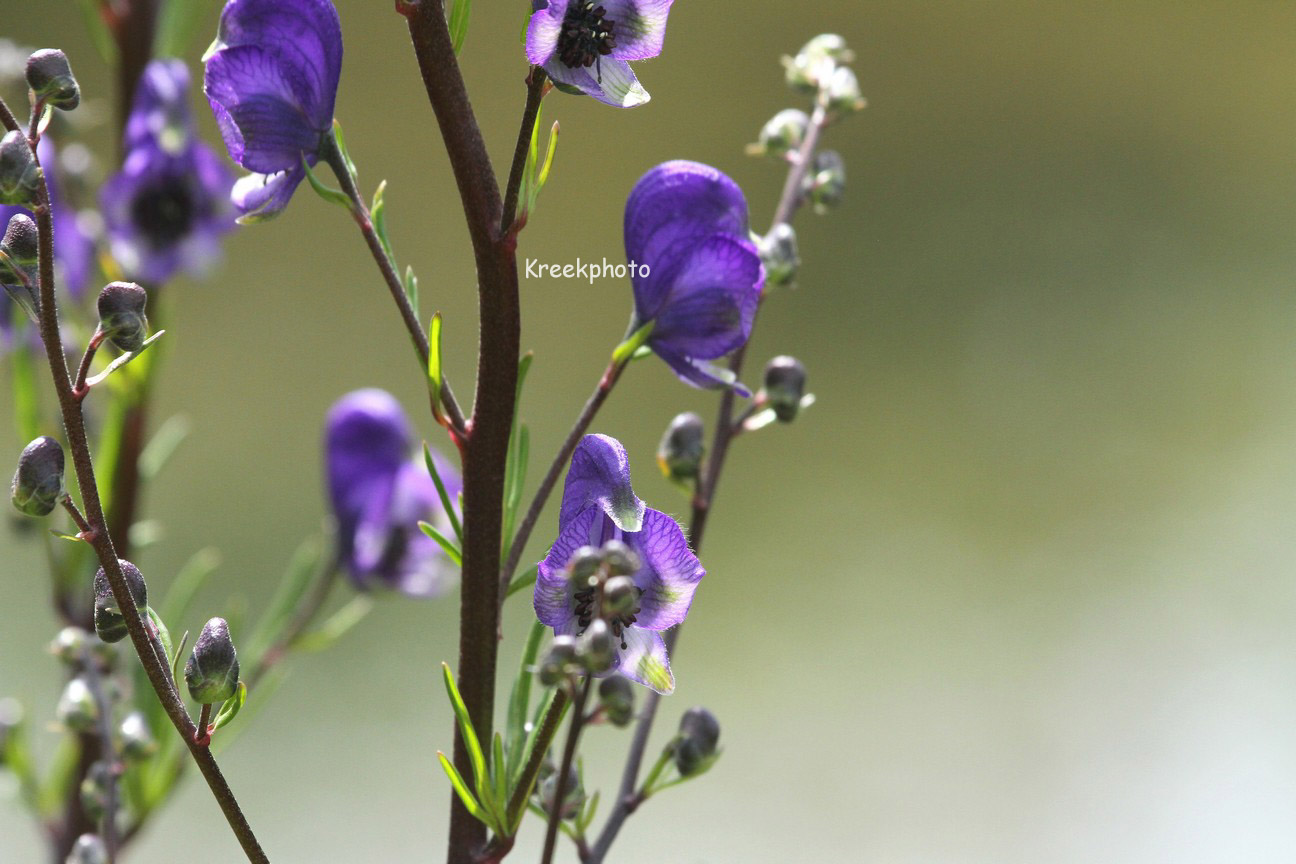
x: 464, y: 793
x: 520, y: 700
x: 162, y: 446
x: 26, y: 395
x: 459, y: 24
x: 411, y: 288
x: 475, y: 755
x: 434, y: 362
x: 549, y: 157
x: 186, y: 584
x: 328, y: 193
x: 586, y: 817
x: 446, y: 503
x: 342, y: 148
x: 178, y: 22
x: 60, y: 775
x: 305, y: 567
x: 124, y: 359
x: 164, y: 635
x: 499, y: 776
x: 523, y: 581
x: 336, y: 625
x: 633, y: 343
x: 378, y: 216
x: 447, y: 544
x: 100, y: 35
x: 231, y: 708
x: 175, y: 664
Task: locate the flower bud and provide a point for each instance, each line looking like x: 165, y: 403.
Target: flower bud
x: 212, y: 671
x: 584, y: 563
x: 811, y: 68
x: 94, y: 790
x: 136, y: 738
x: 616, y: 696
x: 77, y: 708
x: 620, y: 558
x: 841, y: 91
x: 88, y: 849
x: 620, y: 597
x: 557, y: 660
x: 679, y: 455
x: 110, y: 624
x: 785, y: 379
x: 782, y: 133
x: 70, y: 645
x: 121, y: 315
x: 21, y: 247
x: 50, y: 77
x: 596, y: 647
x: 19, y: 174
x: 573, y: 795
x: 779, y: 254
x: 825, y: 182
x: 699, y: 732
x: 38, y: 482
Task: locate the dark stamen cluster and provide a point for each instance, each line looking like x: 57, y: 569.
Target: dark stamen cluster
x: 586, y: 35
x: 165, y: 212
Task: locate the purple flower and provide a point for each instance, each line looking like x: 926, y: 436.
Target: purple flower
x: 584, y: 44
x: 167, y: 207
x: 686, y: 224
x: 272, y: 78
x: 599, y: 505
x: 379, y: 495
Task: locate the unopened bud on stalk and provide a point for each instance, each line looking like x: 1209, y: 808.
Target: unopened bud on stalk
x: 782, y: 133
x: 616, y: 696
x: 110, y: 624
x: 212, y: 671
x: 596, y: 647
x: 20, y: 176
x: 21, y: 247
x: 841, y: 92
x: 679, y: 455
x: 94, y: 790
x: 583, y: 564
x: 50, y: 77
x: 779, y: 254
x: 136, y: 737
x: 557, y: 661
x: 813, y: 65
x: 620, y: 558
x: 573, y: 794
x: 69, y: 645
x: 77, y: 708
x: 825, y: 182
x: 699, y: 732
x: 121, y: 315
x: 88, y: 849
x: 38, y: 482
x: 785, y: 380
x: 620, y: 597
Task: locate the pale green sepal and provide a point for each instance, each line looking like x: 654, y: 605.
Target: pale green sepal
x: 124, y: 359
x: 328, y: 193
x: 231, y: 708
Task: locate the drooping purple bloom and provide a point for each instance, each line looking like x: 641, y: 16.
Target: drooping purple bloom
x: 272, y: 78
x: 687, y: 222
x: 167, y: 207
x: 380, y: 494
x: 584, y: 44
x: 599, y: 505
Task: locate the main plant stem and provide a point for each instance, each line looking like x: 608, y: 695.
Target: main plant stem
x: 99, y: 538
x: 485, y: 448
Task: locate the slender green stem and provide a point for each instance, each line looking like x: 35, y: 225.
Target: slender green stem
x: 560, y: 784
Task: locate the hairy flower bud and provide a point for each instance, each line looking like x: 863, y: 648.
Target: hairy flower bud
x: 621, y: 560
x: 88, y: 849
x: 50, y: 77
x: 557, y: 660
x: 679, y: 455
x: 841, y: 92
x: 77, y: 708
x: 783, y: 133
x: 699, y: 732
x: 212, y: 671
x: 825, y: 182
x: 136, y: 738
x: 785, y: 380
x: 596, y: 647
x: 779, y: 253
x: 121, y: 315
x: 616, y: 697
x: 94, y: 790
x: 21, y: 247
x: 573, y: 795
x: 38, y: 482
x: 19, y: 174
x: 70, y: 645
x: 110, y: 624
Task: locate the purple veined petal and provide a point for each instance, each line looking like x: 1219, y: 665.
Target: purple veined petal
x: 263, y: 196
x: 308, y: 35
x: 710, y: 305
x: 552, y: 598
x: 701, y: 373
x: 639, y: 27
x: 644, y: 660
x: 670, y: 572
x: 618, y: 86
x: 672, y: 207
x: 542, y: 32
x: 261, y: 114
x: 600, y: 474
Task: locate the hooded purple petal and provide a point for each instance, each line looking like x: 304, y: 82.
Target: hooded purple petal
x: 672, y: 207
x: 670, y: 573
x: 708, y: 308
x: 639, y: 28
x: 600, y: 474
x: 553, y: 600
x: 543, y: 31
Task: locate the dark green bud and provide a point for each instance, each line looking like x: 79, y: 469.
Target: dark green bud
x: 825, y: 182
x: 679, y: 455
x: 94, y: 790
x: 70, y: 645
x: 77, y: 709
x: 50, y: 77
x: 841, y: 92
x: 779, y: 253
x: 88, y: 849
x: 110, y: 624
x: 584, y: 563
x: 620, y: 597
x: 38, y: 482
x: 137, y: 740
x: 212, y: 671
x: 557, y: 661
x: 121, y: 315
x: 19, y: 257
x: 783, y: 133
x: 573, y: 795
x: 596, y: 647
x: 695, y: 747
x: 785, y: 380
x: 616, y: 696
x: 20, y: 176
x: 620, y: 559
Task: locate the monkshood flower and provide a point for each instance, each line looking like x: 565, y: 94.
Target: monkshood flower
x: 379, y: 495
x: 599, y: 505
x: 272, y: 78
x: 583, y: 45
x: 688, y: 223
x: 168, y: 206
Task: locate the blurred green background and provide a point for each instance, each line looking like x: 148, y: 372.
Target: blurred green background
x: 1017, y: 589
